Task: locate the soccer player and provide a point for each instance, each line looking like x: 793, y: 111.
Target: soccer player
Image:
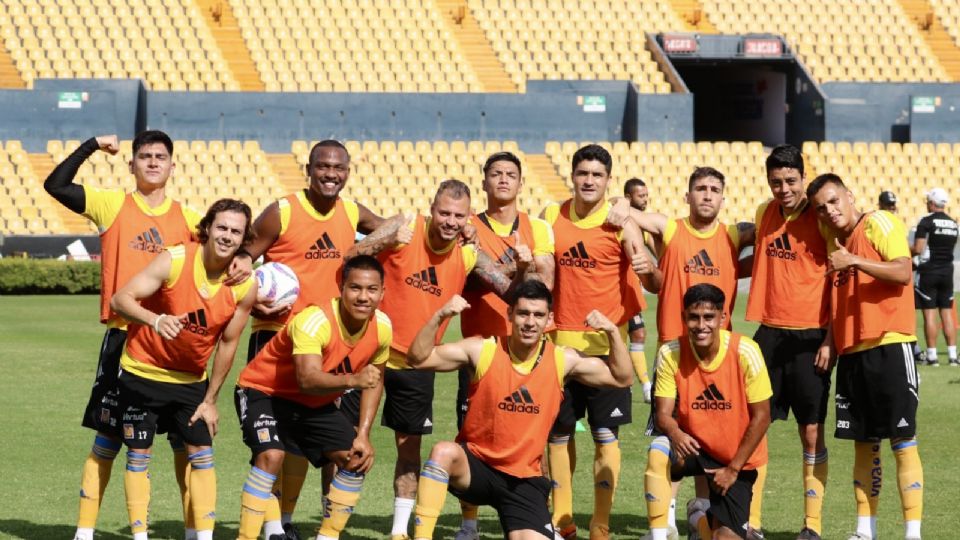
x: 310, y: 231
x: 873, y: 328
x: 181, y: 311
x: 635, y: 191
x: 492, y: 462
x: 887, y: 201
x: 713, y: 406
x: 933, y: 244
x: 288, y: 392
x: 502, y: 231
x: 789, y: 298
x: 425, y: 266
x: 593, y: 271
x: 134, y: 227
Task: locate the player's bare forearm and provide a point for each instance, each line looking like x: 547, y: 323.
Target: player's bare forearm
x: 652, y: 281
x: 424, y: 342
x: 126, y: 301
x: 369, y: 403
x: 227, y: 348
x: 918, y: 245
x: 385, y: 236
x: 756, y: 431
x: 621, y: 367
x: 897, y: 271
x: 367, y: 221
x: 747, y: 233
x: 745, y: 266
x: 545, y: 269
x: 267, y: 229
x: 486, y: 270
x: 664, y: 419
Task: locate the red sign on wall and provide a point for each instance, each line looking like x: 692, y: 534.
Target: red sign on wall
x: 680, y: 43
x: 762, y: 47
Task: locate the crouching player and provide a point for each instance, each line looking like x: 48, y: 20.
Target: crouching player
x: 180, y: 311
x: 713, y: 402
x: 515, y: 392
x: 287, y: 395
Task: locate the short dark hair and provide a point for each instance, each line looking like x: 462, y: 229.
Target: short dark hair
x: 502, y: 156
x: 592, y: 152
x: 152, y: 136
x: 226, y: 205
x: 705, y: 172
x: 821, y: 181
x: 631, y: 185
x: 453, y: 188
x: 704, y: 293
x: 327, y: 143
x: 531, y: 289
x: 361, y: 262
x: 785, y: 156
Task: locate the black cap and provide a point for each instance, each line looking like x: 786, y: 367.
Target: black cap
x: 888, y: 198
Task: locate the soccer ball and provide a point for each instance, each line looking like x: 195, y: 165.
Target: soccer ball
x: 277, y: 285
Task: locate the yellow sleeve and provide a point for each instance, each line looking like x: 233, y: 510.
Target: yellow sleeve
x: 178, y: 254
x: 310, y: 331
x: 734, y: 234
x: 469, y: 257
x: 283, y: 205
x: 669, y: 231
x: 240, y: 290
x: 102, y: 205
x: 385, y: 335
x: 888, y: 234
x: 542, y: 237
x: 551, y: 212
x: 192, y: 217
x: 758, y: 216
x: 668, y: 358
x: 353, y: 212
x: 486, y: 357
x: 756, y: 380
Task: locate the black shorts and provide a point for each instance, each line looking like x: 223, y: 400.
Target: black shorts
x: 409, y: 404
x: 877, y: 393
x: 257, y: 341
x: 934, y: 290
x: 349, y: 405
x: 636, y: 323
x: 604, y: 407
x: 731, y: 510
x: 463, y: 388
x: 272, y: 423
x: 148, y: 404
x: 521, y: 503
x: 102, y: 413
x: 789, y: 355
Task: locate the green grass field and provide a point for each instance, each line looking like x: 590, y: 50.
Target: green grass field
x: 49, y: 357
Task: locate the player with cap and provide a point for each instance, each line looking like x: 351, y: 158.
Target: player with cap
x: 887, y: 201
x: 933, y: 245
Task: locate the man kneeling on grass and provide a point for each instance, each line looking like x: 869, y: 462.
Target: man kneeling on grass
x: 515, y: 392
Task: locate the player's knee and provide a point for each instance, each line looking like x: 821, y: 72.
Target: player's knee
x: 445, y: 452
x: 269, y: 460
x: 659, y: 455
x: 201, y: 458
x: 105, y: 447
x: 138, y: 460
x: 408, y: 447
x: 340, y: 458
x: 561, y: 435
x: 602, y: 435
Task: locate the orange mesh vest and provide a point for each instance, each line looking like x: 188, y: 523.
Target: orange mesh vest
x: 131, y: 242
x: 712, y: 406
x: 686, y: 261
x: 592, y: 273
x: 314, y: 250
x: 487, y: 315
x: 510, y: 414
x: 418, y: 282
x: 272, y: 371
x: 789, y: 269
x: 206, y: 318
x: 864, y: 307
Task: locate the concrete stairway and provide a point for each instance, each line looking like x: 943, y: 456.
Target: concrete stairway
x: 543, y: 168
x: 9, y: 76
x: 475, y: 46
x: 223, y: 24
x: 289, y: 173
x: 693, y: 15
x: 936, y: 36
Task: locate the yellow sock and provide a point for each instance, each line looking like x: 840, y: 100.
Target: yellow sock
x: 562, y: 456
x: 814, y: 485
x: 469, y: 511
x: 181, y: 467
x: 431, y: 492
x: 202, y: 484
x: 639, y: 358
x: 272, y: 512
x: 909, y: 477
x: 291, y: 481
x: 756, y: 501
x: 94, y: 479
x: 136, y: 484
x: 656, y: 483
x: 867, y: 477
x: 254, y: 501
x: 343, y: 496
x: 703, y: 527
x: 606, y: 473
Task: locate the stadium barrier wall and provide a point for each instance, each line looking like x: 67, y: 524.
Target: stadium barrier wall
x: 882, y: 112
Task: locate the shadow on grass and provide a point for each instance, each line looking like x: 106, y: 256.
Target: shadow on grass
x: 21, y: 528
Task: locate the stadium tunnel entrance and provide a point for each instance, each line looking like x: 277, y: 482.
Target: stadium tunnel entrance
x: 745, y: 88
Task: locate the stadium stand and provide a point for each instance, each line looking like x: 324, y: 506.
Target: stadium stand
x: 24, y: 206
x: 372, y: 46
x: 100, y: 39
x: 885, y: 46
x: 552, y: 40
x: 943, y: 21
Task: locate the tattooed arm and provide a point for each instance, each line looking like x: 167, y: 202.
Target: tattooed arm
x: 390, y: 233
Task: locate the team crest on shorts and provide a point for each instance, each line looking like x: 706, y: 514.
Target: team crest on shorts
x: 128, y: 431
x: 263, y: 435
x: 105, y: 415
